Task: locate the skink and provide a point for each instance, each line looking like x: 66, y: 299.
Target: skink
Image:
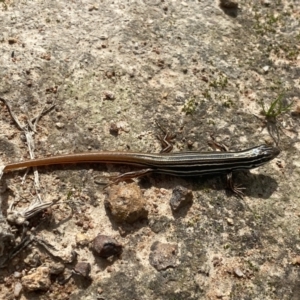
x: 178, y: 164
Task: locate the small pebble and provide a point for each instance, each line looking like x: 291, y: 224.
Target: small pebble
x: 181, y: 196
x: 82, y: 269
x: 113, y: 129
x: 238, y: 272
x: 57, y: 268
x: 12, y: 41
x: 266, y: 69
x: 39, y: 280
x: 230, y: 221
x: 266, y: 3
x: 296, y: 260
x: 126, y: 203
x: 228, y: 3
x: 109, y: 95
x: 18, y: 289
x: 59, y: 125
x: 82, y: 239
x: 105, y: 246
x: 17, y: 274
x: 296, y: 108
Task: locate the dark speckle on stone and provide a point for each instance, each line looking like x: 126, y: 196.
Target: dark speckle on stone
x: 160, y: 224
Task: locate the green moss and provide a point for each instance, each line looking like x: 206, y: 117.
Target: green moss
x: 206, y: 94
x: 4, y: 4
x: 227, y: 101
x: 190, y: 106
x: 221, y: 82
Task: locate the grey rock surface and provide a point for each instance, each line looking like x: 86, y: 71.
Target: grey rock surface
x: 197, y: 69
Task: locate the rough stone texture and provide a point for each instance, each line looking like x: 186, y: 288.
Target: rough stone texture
x: 126, y: 203
x: 198, y: 70
x: 39, y: 280
x: 163, y: 255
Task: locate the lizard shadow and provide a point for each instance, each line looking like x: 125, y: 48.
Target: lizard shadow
x: 254, y: 185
